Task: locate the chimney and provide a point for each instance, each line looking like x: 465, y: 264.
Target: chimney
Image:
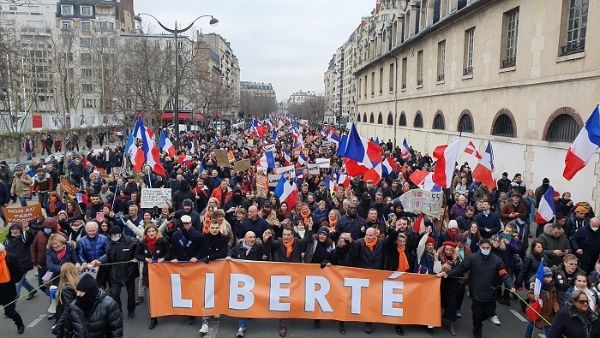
x: 363, y: 22
x: 377, y: 7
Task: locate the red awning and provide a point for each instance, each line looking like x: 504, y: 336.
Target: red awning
x: 168, y: 116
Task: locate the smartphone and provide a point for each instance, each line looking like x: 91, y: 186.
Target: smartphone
x: 391, y: 216
x: 507, y: 237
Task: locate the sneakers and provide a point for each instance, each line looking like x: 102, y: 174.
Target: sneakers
x: 31, y: 295
x: 458, y: 314
x: 203, y: 329
x: 368, y: 328
x: 282, y: 331
x: 21, y: 329
x: 495, y: 320
x: 240, y: 332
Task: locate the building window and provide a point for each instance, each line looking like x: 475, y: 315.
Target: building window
x: 380, y: 80
x: 108, y: 26
x: 402, y: 121
x: 438, y: 121
x: 392, y: 78
x: 88, y: 103
x: 85, y: 42
x: 87, y: 73
x: 86, y: 10
x: 365, y: 117
x: 465, y: 123
x: 576, y: 26
x: 86, y: 26
x: 380, y: 118
x: 510, y: 30
x: 563, y: 125
x: 359, y: 86
x: 372, y: 118
x: 404, y: 66
x: 86, y: 58
x: 66, y: 25
x: 418, y: 122
x: 420, y: 68
x: 66, y: 9
x: 390, y: 119
x: 504, y: 124
x: 441, y: 60
x: 469, y: 49
x: 87, y: 88
x: 358, y: 117
x: 372, y: 83
x: 365, y: 89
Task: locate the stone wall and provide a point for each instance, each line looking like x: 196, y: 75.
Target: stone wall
x: 11, y: 143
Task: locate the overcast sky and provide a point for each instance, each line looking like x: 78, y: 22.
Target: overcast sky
x: 286, y: 42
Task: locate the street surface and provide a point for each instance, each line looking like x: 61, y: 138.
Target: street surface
x: 37, y: 325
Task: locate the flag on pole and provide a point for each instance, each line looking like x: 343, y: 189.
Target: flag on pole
x: 166, y: 145
x: 584, y: 147
x: 286, y: 192
x: 418, y: 223
x: 484, y: 171
x: 446, y: 163
x: 546, y: 209
x: 405, y: 150
x: 471, y: 150
x: 539, y: 279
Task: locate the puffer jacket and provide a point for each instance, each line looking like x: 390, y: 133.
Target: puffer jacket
x: 93, y: 249
x: 122, y: 251
x: 53, y: 264
x: 563, y: 280
x: 552, y: 243
x: 20, y: 186
x: 63, y: 327
x: 105, y: 321
x: 21, y: 248
x: 550, y: 304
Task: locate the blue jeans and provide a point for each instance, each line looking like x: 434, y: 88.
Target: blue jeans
x: 23, y: 283
x: 23, y: 201
x: 529, y: 330
x: 29, y: 156
x: 243, y: 323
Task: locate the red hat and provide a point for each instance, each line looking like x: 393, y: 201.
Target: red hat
x: 449, y: 243
x: 430, y: 240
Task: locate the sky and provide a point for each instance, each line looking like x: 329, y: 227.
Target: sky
x: 285, y: 42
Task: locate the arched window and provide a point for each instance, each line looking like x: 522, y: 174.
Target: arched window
x: 402, y: 119
x: 390, y: 119
x: 372, y: 118
x: 465, y: 123
x: 438, y: 121
x: 504, y: 125
x: 358, y: 117
x: 365, y: 117
x: 380, y: 118
x: 563, y: 125
x: 418, y: 122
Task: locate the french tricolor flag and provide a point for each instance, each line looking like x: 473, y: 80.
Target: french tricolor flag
x: 389, y: 165
x: 267, y: 160
x: 584, y: 146
x: 484, y: 171
x: 166, y: 145
x: 302, y: 160
x: 405, y: 150
x: 446, y: 163
x: 547, y: 209
x: 286, y: 192
x: 360, y: 149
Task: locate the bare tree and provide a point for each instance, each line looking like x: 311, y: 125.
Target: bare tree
x: 256, y: 105
x: 312, y: 109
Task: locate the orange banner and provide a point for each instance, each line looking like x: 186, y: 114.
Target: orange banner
x: 67, y: 187
x: 247, y: 289
x: 22, y: 215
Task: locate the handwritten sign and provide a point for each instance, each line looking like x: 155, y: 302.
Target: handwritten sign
x: 269, y: 147
x: 22, y: 214
x: 262, y: 185
x: 324, y: 163
x: 273, y: 180
x: 222, y: 159
x: 289, y: 170
x: 67, y: 187
x: 155, y: 197
x: 313, y: 168
x: 419, y: 200
x: 242, y: 165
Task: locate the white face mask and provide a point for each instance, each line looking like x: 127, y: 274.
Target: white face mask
x: 594, y: 229
x: 485, y: 252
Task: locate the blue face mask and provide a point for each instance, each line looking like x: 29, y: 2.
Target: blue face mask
x: 485, y: 252
x: 47, y: 231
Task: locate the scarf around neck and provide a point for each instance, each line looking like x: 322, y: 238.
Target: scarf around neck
x: 289, y: 247
x: 403, y: 265
x: 371, y: 245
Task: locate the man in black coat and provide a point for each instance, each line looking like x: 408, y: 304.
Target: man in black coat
x: 18, y: 243
x: 185, y: 242
x: 585, y: 243
x: 485, y: 269
x: 10, y: 273
x: 120, y: 250
x: 352, y: 223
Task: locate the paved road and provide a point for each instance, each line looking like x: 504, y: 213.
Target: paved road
x: 37, y: 325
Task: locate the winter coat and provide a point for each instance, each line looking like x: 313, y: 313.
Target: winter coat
x: 574, y: 224
x: 20, y: 186
x: 196, y: 220
x: 184, y: 244
x: 53, y: 264
x: 213, y: 247
x: 568, y: 323
x: 552, y: 243
x: 351, y: 225
x: 8, y: 292
x: 161, y: 250
x: 257, y: 226
x: 240, y: 252
x: 90, y: 249
x: 589, y: 241
x: 63, y: 328
x: 122, y: 251
x: 550, y: 304
x: 39, y: 249
x: 510, y: 208
x: 391, y: 259
x: 21, y: 248
x: 491, y: 221
x: 278, y: 251
x: 368, y: 259
x: 43, y: 184
x: 530, y: 266
x: 311, y: 248
x: 105, y: 320
x: 564, y: 281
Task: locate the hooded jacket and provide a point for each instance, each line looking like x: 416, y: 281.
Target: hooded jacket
x: 105, y: 320
x: 552, y: 243
x: 21, y: 247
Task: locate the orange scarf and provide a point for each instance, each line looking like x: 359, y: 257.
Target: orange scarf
x: 305, y: 217
x: 402, y: 260
x: 4, y: 272
x: 206, y: 223
x: 371, y: 245
x: 288, y: 248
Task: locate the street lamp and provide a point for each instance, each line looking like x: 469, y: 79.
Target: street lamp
x: 176, y: 31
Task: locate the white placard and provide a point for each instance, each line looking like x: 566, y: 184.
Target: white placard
x: 313, y: 168
x: 324, y: 163
x: 155, y: 197
x: 286, y: 170
x: 419, y: 200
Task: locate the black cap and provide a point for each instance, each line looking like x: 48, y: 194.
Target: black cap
x: 187, y: 202
x: 505, y: 174
x: 267, y: 204
x: 115, y: 229
x: 546, y: 180
x: 88, y: 284
x: 15, y: 226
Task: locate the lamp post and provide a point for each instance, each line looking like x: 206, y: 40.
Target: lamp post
x: 176, y: 31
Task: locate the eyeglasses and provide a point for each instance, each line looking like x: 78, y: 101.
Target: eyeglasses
x: 583, y: 301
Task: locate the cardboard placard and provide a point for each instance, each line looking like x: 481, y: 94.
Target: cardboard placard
x: 155, y: 197
x: 222, y: 159
x: 22, y: 215
x: 242, y: 165
x: 324, y: 163
x: 273, y: 180
x: 419, y: 200
x: 231, y: 156
x: 67, y: 187
x: 262, y: 185
x: 296, y: 152
x: 313, y: 169
x: 290, y: 169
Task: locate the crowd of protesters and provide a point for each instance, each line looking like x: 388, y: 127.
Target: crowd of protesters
x: 485, y: 241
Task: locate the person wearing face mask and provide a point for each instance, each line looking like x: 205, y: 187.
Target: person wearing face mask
x: 94, y: 313
x: 39, y: 247
x: 484, y: 269
x: 120, y: 250
x: 585, y: 243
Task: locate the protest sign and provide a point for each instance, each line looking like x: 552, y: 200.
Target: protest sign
x: 269, y: 147
x: 419, y: 200
x: 291, y: 290
x: 242, y: 165
x: 155, y: 197
x: 326, y: 144
x: 289, y: 170
x: 324, y: 163
x: 262, y: 185
x: 230, y: 156
x: 67, y: 187
x: 222, y: 159
x: 273, y: 180
x: 313, y: 169
x: 22, y: 214
x: 296, y: 152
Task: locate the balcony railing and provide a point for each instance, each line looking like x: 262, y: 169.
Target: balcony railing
x: 468, y: 71
x: 440, y: 77
x: 573, y: 47
x: 419, y: 82
x: 508, y: 63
